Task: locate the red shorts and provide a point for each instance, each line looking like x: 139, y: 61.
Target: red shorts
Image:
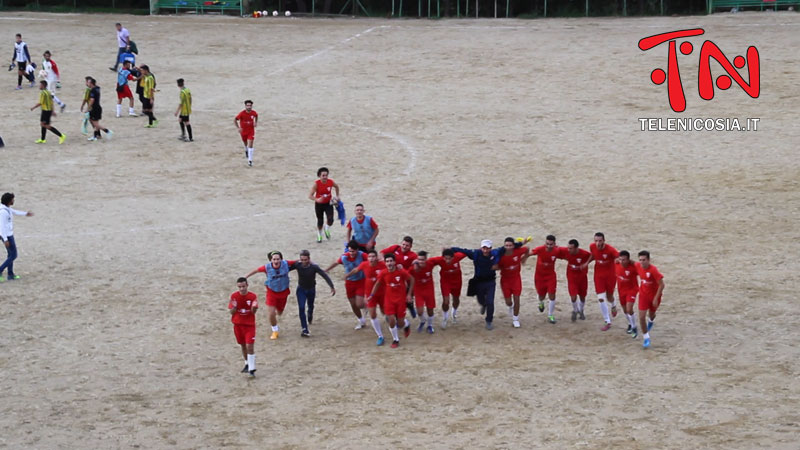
x: 126, y: 93
x: 605, y: 283
x: 245, y: 334
x: 248, y: 134
x: 277, y: 299
x: 450, y: 288
x: 376, y: 300
x: 395, y: 308
x: 426, y: 299
x: 545, y: 285
x: 628, y: 296
x: 354, y: 288
x: 646, y: 301
x: 577, y: 283
x: 511, y: 285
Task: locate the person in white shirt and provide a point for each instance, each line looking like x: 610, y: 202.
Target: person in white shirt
x: 123, y: 40
x: 51, y: 75
x: 21, y: 59
x: 7, y: 233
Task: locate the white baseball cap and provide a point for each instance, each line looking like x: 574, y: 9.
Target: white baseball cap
x: 486, y: 243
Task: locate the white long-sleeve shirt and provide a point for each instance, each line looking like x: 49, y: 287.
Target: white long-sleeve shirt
x: 6, y: 222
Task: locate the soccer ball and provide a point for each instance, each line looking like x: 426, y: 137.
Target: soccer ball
x: 275, y: 13
x: 265, y: 13
x: 42, y: 74
x: 257, y: 14
x: 288, y: 13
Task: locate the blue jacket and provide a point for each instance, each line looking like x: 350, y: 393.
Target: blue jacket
x: 341, y: 212
x: 483, y: 264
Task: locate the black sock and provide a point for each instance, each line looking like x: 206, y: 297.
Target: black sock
x: 97, y: 133
x: 56, y: 132
x: 19, y: 80
x: 183, y: 129
x: 105, y: 130
x: 189, y: 129
x: 150, y: 118
x: 44, y: 132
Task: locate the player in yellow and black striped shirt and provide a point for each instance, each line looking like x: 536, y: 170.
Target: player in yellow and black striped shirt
x: 149, y: 96
x: 46, y: 102
x: 183, y: 111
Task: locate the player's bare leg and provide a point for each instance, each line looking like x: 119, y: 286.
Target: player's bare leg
x: 445, y: 310
x: 581, y: 306
x: 646, y: 325
x: 628, y: 307
x: 356, y: 304
x: 273, y: 320
x: 612, y: 303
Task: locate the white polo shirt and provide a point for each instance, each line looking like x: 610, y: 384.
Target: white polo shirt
x: 6, y: 222
x: 123, y: 37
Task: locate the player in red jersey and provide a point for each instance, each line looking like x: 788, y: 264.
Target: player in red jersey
x: 605, y: 279
x: 650, y: 290
x: 353, y: 280
x: 372, y: 268
x: 424, y: 292
x: 510, y: 265
x: 545, y: 275
x: 243, y: 306
x: 628, y: 286
x: 577, y: 276
x: 399, y: 288
x: 449, y: 282
x: 324, y: 201
x: 404, y: 257
x: 246, y: 122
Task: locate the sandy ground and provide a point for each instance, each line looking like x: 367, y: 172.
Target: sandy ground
x: 452, y: 131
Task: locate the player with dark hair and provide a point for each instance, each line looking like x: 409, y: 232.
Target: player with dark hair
x: 424, y: 292
x: 372, y: 268
x: 399, y: 288
x: 628, y: 286
x: 243, y: 306
x: 544, y: 277
x: 7, y: 233
x: 404, y: 257
x: 246, y: 122
x: 123, y: 90
x: 651, y: 288
x: 46, y: 103
x: 605, y: 279
x: 183, y: 111
x: 277, y: 284
x: 306, y: 291
x: 449, y: 282
x: 95, y: 110
x: 510, y: 264
x: 324, y: 200
x: 354, y: 284
x: 577, y: 277
x: 20, y: 59
x: 53, y: 77
x: 148, y: 96
x: 362, y: 228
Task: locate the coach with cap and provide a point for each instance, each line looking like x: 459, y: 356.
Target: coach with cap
x: 482, y: 283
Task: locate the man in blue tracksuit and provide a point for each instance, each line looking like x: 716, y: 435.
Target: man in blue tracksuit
x: 485, y: 260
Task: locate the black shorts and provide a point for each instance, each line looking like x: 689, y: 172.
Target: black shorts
x: 147, y: 103
x: 327, y: 210
x: 96, y: 113
x: 184, y: 118
x: 22, y: 65
x: 46, y: 117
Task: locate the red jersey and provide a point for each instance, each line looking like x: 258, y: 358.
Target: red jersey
x: 604, y: 259
x: 423, y: 278
x: 403, y: 259
x: 546, y: 261
x: 244, y: 305
x: 575, y: 261
x: 511, y: 265
x: 324, y: 191
x: 395, y: 285
x: 450, y: 273
x: 627, y: 277
x: 648, y: 278
x: 371, y: 274
x: 247, y: 120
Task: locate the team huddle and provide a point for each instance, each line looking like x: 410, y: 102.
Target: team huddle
x: 397, y: 280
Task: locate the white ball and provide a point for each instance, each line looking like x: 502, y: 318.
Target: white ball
x: 288, y: 13
x: 265, y: 13
x: 275, y: 13
x: 42, y: 73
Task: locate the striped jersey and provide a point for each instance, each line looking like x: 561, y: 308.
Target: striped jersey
x: 149, y: 85
x: 186, y: 101
x: 46, y: 100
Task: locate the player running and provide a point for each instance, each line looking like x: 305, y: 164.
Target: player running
x: 46, y: 103
x: 246, y: 122
x: 424, y: 292
x: 363, y: 229
x: 354, y: 284
x: 399, y: 288
x: 53, y: 78
x: 577, y: 276
x: 628, y: 286
x: 372, y: 268
x: 123, y: 90
x: 544, y: 277
x: 243, y: 306
x: 277, y: 284
x: 650, y: 290
x: 324, y: 200
x: 404, y: 257
x: 449, y: 282
x: 605, y: 279
x: 511, y: 260
x: 183, y: 111
x: 307, y: 287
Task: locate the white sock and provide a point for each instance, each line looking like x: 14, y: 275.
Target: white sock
x: 515, y: 318
x: 422, y: 317
x: 131, y: 111
x: 633, y: 320
x: 455, y: 310
x: 646, y: 336
x: 445, y: 314
x: 575, y: 306
x: 58, y: 101
x: 326, y: 227
x: 394, y: 333
x: 551, y: 307
x: 376, y: 325
x: 430, y: 321
x: 406, y: 323
x: 251, y: 362
x: 581, y: 304
x: 119, y: 109
x: 362, y: 321
x: 275, y: 328
x: 604, y: 310
x: 249, y: 153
